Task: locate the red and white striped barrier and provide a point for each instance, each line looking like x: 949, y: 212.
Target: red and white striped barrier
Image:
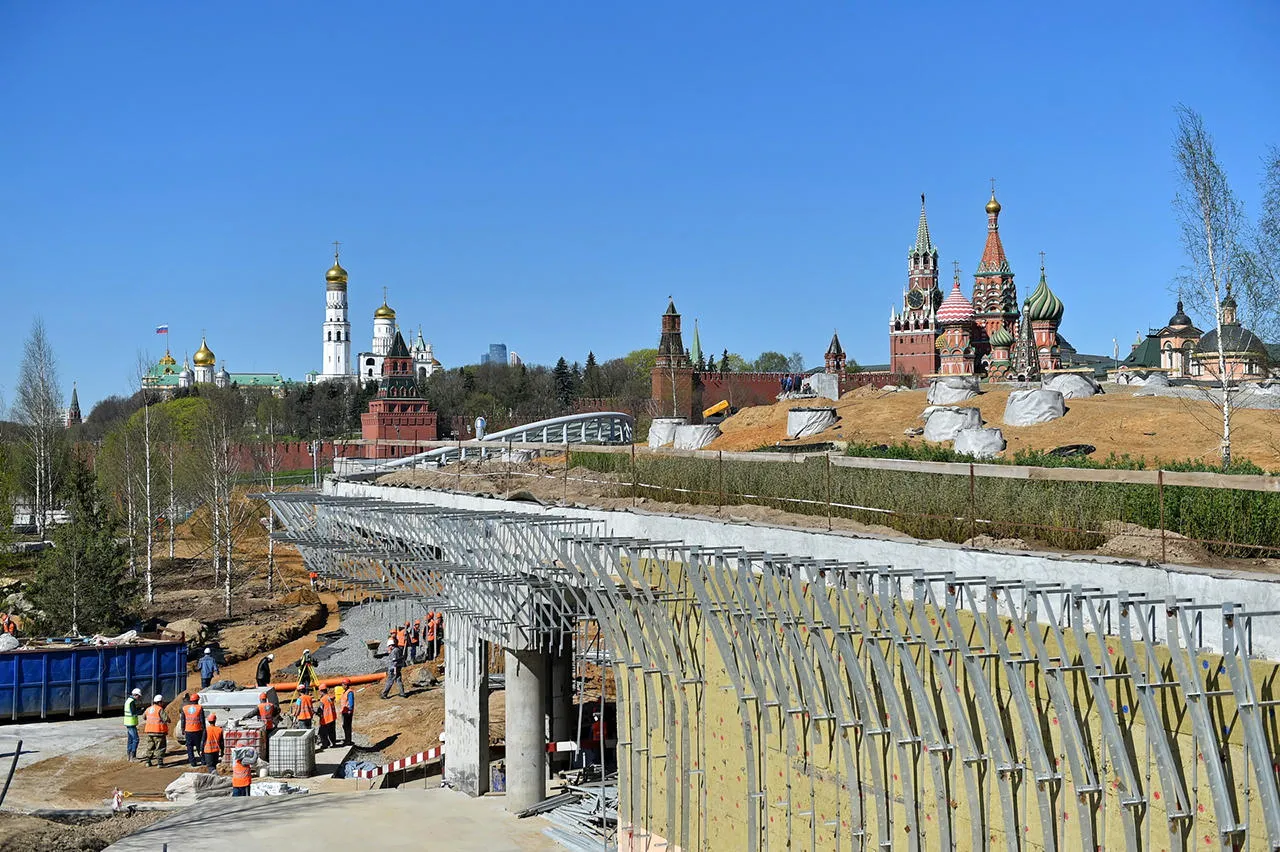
x: 563, y: 745
x: 403, y: 763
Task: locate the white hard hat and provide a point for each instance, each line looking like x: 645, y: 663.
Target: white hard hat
x: 137, y: 692
x: 208, y: 651
x: 158, y: 699
x: 271, y: 656
x: 391, y: 643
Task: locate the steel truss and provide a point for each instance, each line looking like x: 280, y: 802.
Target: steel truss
x: 879, y: 707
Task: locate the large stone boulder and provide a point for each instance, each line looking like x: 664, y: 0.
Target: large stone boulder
x: 980, y: 443
x: 948, y: 390
x: 1038, y: 405
x: 1072, y: 385
x: 942, y: 423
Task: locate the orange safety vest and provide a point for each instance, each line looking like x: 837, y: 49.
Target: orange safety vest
x: 267, y: 713
x: 212, y: 739
x: 400, y: 636
x: 433, y: 625
x: 304, y: 707
x: 194, y: 716
x: 241, y: 775
x: 327, y: 716
x: 10, y: 627
x: 154, y: 721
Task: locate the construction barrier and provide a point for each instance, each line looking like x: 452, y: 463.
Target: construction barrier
x: 403, y: 763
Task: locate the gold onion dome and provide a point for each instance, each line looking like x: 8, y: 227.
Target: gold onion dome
x: 336, y: 274
x: 204, y: 355
x: 168, y: 359
x: 1043, y: 305
x: 993, y: 206
x: 384, y: 312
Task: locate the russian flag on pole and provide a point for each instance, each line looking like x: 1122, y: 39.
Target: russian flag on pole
x: 162, y: 329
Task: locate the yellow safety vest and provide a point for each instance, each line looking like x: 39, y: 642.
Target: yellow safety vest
x: 130, y: 712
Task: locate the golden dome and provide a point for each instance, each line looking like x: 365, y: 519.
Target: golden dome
x: 204, y: 355
x: 993, y: 206
x: 167, y: 360
x: 384, y: 312
x: 336, y: 274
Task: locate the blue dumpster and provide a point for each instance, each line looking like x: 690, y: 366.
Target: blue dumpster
x: 87, y: 680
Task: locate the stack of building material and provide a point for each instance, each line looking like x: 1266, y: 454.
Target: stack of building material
x: 293, y: 753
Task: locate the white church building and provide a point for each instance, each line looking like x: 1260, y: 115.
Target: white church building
x: 337, y: 362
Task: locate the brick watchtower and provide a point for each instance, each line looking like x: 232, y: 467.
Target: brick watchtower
x: 671, y: 380
x: 995, y: 297
x: 835, y: 359
x: 397, y: 413
x: 913, y: 331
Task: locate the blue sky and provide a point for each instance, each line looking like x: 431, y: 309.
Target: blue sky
x: 546, y: 174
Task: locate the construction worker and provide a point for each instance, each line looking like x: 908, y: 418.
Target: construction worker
x: 268, y: 712
x: 411, y: 636
x: 418, y: 635
x: 264, y: 670
x: 306, y: 670
x: 208, y: 668
x: 155, y: 724
x: 347, y: 706
x: 315, y: 580
x: 306, y: 710
x: 399, y: 634
x: 212, y: 744
x: 193, y: 728
x: 395, y: 668
x: 328, y: 719
x: 7, y: 624
x: 435, y: 622
x: 241, y: 777
x: 131, y: 724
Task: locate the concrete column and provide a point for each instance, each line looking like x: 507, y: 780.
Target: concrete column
x: 526, y: 672
x: 466, y: 708
x: 561, y: 717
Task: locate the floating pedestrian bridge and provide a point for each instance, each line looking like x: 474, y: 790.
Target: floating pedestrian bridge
x: 773, y: 700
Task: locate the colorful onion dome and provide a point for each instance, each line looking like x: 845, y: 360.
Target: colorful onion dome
x: 1043, y: 306
x: 956, y: 309
x: 1001, y: 337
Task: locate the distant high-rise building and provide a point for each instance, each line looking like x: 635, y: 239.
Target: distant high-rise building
x: 497, y: 354
x: 514, y: 359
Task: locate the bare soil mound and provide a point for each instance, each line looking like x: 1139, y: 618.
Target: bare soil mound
x: 23, y: 833
x: 1136, y: 542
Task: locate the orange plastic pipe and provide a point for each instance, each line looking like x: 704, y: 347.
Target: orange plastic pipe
x: 291, y: 685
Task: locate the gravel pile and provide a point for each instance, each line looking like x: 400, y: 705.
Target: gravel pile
x: 349, y: 654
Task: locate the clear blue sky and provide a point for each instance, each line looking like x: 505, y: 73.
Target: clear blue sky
x: 546, y: 174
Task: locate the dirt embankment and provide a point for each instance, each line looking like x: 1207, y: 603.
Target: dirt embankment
x: 1154, y: 428
x: 24, y: 833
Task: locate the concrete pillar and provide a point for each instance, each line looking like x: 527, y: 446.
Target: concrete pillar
x: 466, y: 708
x: 561, y: 717
x: 526, y: 672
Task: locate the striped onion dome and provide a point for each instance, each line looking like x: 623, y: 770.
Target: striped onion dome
x: 1043, y: 306
x: 1001, y: 337
x: 955, y: 309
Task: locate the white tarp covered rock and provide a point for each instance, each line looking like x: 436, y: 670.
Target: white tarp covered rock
x: 663, y: 430
x: 1038, y: 405
x: 1153, y: 384
x: 980, y: 443
x: 825, y: 385
x: 948, y: 390
x: 803, y: 422
x: 695, y: 437
x: 193, y: 786
x: 942, y: 423
x: 8, y: 642
x: 1072, y: 385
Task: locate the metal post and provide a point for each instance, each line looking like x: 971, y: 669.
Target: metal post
x: 973, y: 509
x: 635, y: 480
x: 720, y: 468
x: 827, y: 456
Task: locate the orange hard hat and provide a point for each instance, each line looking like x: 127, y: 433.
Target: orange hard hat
x: 262, y: 696
x: 346, y: 681
x: 213, y: 717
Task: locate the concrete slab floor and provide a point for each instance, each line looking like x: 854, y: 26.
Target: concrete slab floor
x: 43, y: 740
x: 387, y: 820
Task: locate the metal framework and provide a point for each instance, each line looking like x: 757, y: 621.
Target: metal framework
x: 878, y: 707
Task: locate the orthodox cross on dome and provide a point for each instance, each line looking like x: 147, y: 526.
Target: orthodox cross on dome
x: 993, y: 186
x: 336, y: 245
x: 384, y: 294
x: 1041, y: 263
x: 956, y: 265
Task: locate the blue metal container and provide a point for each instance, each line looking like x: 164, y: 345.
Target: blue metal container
x: 87, y: 680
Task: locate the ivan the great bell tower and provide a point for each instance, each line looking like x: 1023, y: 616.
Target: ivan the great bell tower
x: 913, y: 331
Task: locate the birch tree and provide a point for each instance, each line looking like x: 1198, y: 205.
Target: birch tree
x: 38, y: 409
x: 1211, y: 222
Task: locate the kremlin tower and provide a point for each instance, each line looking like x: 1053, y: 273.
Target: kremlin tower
x: 995, y: 298
x: 912, y: 332
x: 337, y: 329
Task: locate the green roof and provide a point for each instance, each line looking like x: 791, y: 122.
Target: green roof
x: 1147, y: 353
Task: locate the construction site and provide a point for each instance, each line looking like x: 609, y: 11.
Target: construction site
x: 646, y: 648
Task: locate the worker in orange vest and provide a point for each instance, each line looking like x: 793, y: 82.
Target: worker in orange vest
x: 212, y: 743
x: 155, y: 724
x: 435, y: 634
x: 398, y: 633
x: 328, y: 719
x: 305, y: 709
x: 193, y: 728
x: 411, y: 631
x: 241, y: 777
x: 7, y: 624
x: 268, y: 712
